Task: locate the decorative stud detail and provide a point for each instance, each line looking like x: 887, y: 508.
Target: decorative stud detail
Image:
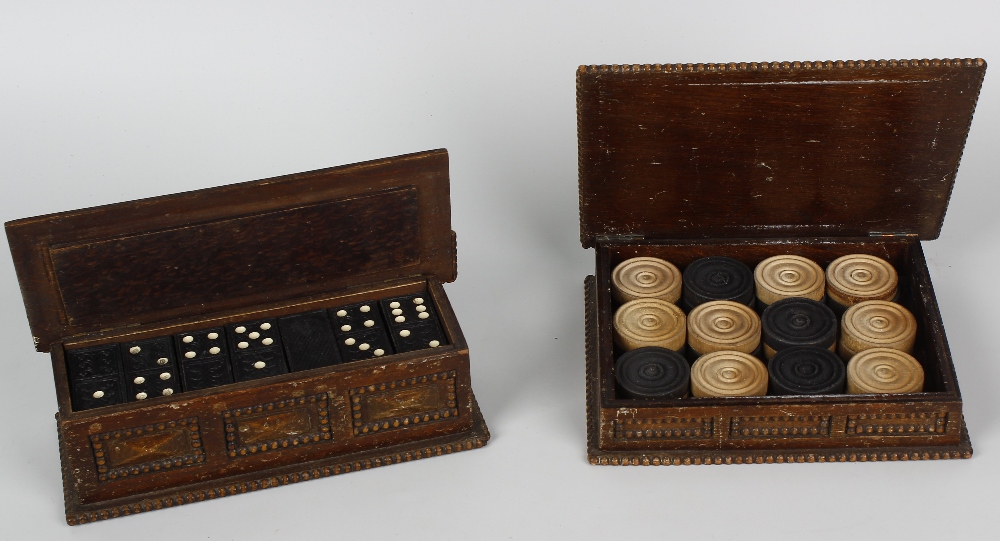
x: 277, y: 425
x: 897, y: 424
x: 670, y: 428
x: 361, y: 398
x: 181, y: 439
x: 801, y: 426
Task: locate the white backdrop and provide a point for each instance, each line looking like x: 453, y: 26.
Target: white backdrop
x: 105, y: 102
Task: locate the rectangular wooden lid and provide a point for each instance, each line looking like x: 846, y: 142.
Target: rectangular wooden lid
x: 224, y: 248
x: 779, y: 149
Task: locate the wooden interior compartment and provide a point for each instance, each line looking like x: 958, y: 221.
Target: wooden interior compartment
x: 622, y: 424
x: 417, y: 381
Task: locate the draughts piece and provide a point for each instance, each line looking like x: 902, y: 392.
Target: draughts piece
x: 204, y: 374
x: 856, y: 278
x: 145, y: 355
x: 649, y: 322
x: 798, y: 322
x: 728, y: 373
x: 356, y: 317
x: 723, y: 326
x: 408, y: 309
x: 95, y: 377
x: 415, y: 337
x: 309, y: 340
x: 803, y: 370
x: 717, y: 279
x: 259, y: 363
x: 884, y: 370
x: 876, y: 324
x: 786, y: 277
x: 652, y: 372
x: 203, y: 345
x: 152, y: 384
x: 646, y: 278
x: 366, y: 344
x: 251, y: 335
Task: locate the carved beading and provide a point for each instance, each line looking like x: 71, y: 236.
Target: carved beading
x: 782, y: 66
x: 670, y: 428
x: 401, y: 403
x: 147, y: 449
x: 277, y: 425
x: 785, y: 426
x: 897, y: 424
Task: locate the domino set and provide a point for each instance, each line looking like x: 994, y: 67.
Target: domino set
x: 250, y: 350
x: 792, y: 332
x: 322, y: 343
x: 716, y: 169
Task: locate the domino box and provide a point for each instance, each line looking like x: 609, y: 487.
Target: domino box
x: 751, y: 160
x: 202, y: 344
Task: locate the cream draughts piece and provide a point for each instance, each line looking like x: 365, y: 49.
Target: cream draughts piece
x: 646, y: 278
x: 728, y: 373
x: 876, y: 324
x: 787, y: 276
x: 884, y: 370
x: 723, y: 326
x: 859, y: 277
x: 649, y: 322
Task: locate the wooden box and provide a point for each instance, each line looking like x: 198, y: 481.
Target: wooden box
x: 818, y: 159
x: 265, y: 249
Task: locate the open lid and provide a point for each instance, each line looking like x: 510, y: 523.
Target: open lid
x: 771, y: 150
x: 222, y: 248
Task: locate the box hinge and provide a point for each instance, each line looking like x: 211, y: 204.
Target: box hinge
x: 603, y: 239
x: 887, y: 234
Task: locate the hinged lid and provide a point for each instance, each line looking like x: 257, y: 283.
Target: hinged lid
x: 222, y: 248
x: 771, y: 150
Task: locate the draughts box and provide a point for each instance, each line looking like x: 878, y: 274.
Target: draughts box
x: 189, y: 291
x: 751, y: 160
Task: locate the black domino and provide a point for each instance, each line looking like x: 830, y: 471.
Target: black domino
x: 309, y: 340
x: 95, y: 377
x: 203, y: 357
x: 256, y: 349
x: 150, y: 368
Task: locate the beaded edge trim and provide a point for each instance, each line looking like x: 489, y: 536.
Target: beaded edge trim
x: 678, y: 458
x: 475, y: 441
x: 783, y: 66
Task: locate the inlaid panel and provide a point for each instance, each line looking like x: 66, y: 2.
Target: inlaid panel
x: 400, y: 403
x: 275, y: 425
x: 786, y: 426
x: 146, y: 449
x: 897, y: 424
x: 668, y: 428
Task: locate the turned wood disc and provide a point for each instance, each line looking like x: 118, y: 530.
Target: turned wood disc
x: 653, y: 372
x: 876, y: 324
x: 723, y: 326
x: 806, y: 370
x: 645, y: 278
x: 858, y: 277
x: 649, y: 322
x: 728, y: 373
x: 717, y: 278
x: 884, y: 370
x: 798, y: 322
x: 788, y: 276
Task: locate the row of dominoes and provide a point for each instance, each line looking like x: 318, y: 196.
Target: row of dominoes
x: 145, y: 369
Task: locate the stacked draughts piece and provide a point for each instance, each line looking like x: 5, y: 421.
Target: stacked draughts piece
x: 773, y: 330
x: 247, y: 350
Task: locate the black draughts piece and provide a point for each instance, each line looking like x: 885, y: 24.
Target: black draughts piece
x: 798, y: 322
x: 408, y: 309
x: 95, y: 376
x: 309, y: 340
x: 717, y: 278
x: 356, y: 317
x: 806, y: 370
x: 151, y: 384
x: 365, y: 344
x: 653, y: 372
x: 197, y: 375
x: 259, y: 363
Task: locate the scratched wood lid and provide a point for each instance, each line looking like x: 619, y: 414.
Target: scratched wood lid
x: 723, y: 326
x: 728, y: 373
x: 876, y: 324
x: 646, y: 278
x: 856, y: 278
x: 234, y: 246
x: 884, y: 370
x: 649, y: 322
x: 788, y: 149
x: 652, y: 372
x: 788, y: 276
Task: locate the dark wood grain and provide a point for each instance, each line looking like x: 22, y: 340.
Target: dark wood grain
x: 771, y: 150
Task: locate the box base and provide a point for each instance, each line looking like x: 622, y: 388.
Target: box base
x: 473, y: 438
x: 657, y: 457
